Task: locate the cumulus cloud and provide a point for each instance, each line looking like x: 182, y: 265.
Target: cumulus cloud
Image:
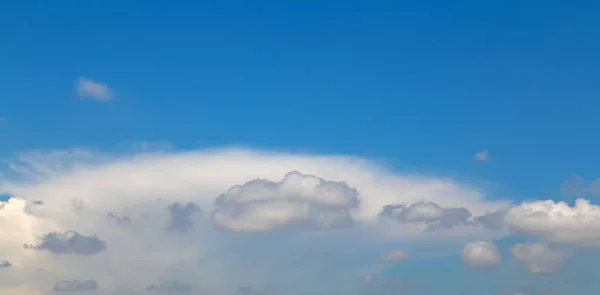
x: 88, y: 88
x: 261, y: 205
x: 428, y: 213
x: 558, y: 221
x: 70, y: 286
x: 87, y: 197
x: 481, y: 254
x: 70, y: 242
x: 5, y: 263
x: 539, y: 258
x: 482, y: 156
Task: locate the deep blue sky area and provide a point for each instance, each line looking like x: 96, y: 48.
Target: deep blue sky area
x: 420, y: 84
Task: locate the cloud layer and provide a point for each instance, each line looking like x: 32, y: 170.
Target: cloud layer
x: 215, y: 220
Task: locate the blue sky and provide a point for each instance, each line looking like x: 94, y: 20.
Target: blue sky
x: 420, y: 87
x: 424, y: 84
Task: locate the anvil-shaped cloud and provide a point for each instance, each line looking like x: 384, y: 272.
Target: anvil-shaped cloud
x: 215, y: 220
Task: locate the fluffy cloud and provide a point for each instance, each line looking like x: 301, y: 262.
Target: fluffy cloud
x: 557, y: 221
x: 428, y: 213
x: 130, y: 221
x: 538, y: 258
x: 262, y: 205
x: 431, y: 217
x: 481, y: 254
x: 70, y: 242
x: 89, y: 88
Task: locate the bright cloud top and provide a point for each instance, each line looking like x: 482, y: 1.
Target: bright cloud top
x: 88, y: 88
x: 557, y: 221
x: 261, y: 205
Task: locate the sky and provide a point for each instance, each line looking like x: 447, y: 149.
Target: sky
x: 299, y: 147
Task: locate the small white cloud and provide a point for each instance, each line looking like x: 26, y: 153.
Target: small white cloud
x: 88, y: 88
x: 481, y: 255
x: 537, y: 257
x: 482, y: 156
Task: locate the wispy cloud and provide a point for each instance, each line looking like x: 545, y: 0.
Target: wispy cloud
x: 482, y: 156
x: 576, y: 186
x: 88, y: 88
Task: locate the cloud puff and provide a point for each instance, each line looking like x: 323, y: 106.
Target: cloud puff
x: 481, y: 254
x: 70, y: 242
x: 395, y: 255
x: 537, y: 257
x: 482, y: 156
x: 261, y: 205
x: 70, y: 286
x: 87, y: 196
x: 429, y: 213
x: 557, y: 221
x: 5, y: 263
x: 89, y: 88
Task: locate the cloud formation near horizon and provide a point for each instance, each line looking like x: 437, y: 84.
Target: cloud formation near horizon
x: 218, y: 219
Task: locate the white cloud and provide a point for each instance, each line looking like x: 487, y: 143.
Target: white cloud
x: 537, y: 257
x: 557, y: 221
x: 262, y: 205
x: 89, y: 88
x: 481, y: 254
x: 151, y: 213
x: 482, y: 156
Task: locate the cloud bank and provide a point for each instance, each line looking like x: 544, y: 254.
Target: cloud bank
x: 210, y: 221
